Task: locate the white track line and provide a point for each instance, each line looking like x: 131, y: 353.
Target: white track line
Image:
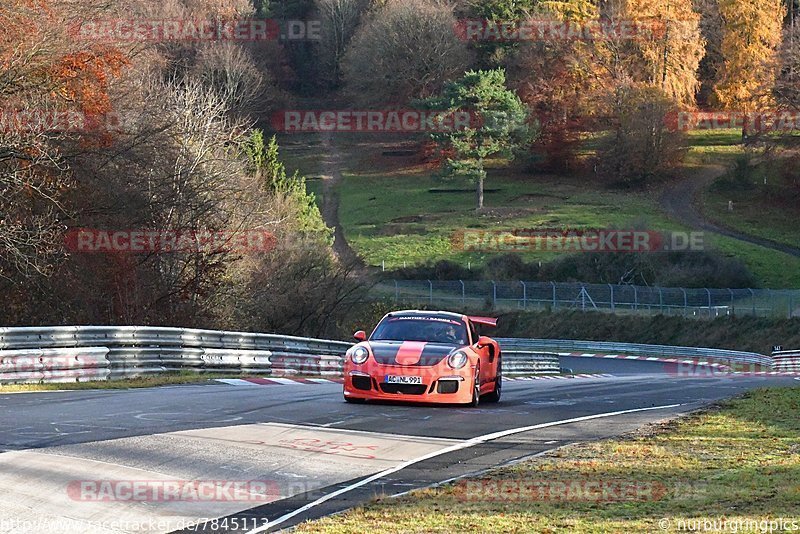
x: 469, y: 443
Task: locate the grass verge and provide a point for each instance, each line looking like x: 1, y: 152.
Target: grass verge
x: 739, y: 462
x: 164, y: 379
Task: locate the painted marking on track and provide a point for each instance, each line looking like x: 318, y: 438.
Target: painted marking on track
x: 459, y: 446
x: 235, y: 382
x: 159, y: 417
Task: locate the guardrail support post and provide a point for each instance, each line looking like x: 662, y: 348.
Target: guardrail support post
x: 430, y: 291
x: 463, y: 293
x: 396, y: 291
x: 635, y: 298
x: 733, y: 306
x: 494, y: 294
x: 753, y: 300
x: 611, y: 288
x: 685, y: 302
x: 554, y: 294
x: 524, y: 296
x: 709, y: 301
x: 660, y: 301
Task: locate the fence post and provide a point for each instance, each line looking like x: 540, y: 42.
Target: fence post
x: 709, y: 301
x: 430, y: 291
x: 611, y: 288
x: 463, y: 294
x: 524, y: 296
x: 396, y: 292
x: 583, y: 298
x: 635, y: 298
x: 753, y: 300
x: 771, y: 302
x: 554, y: 295
x: 791, y: 304
x: 685, y: 302
x: 660, y: 301
x: 494, y: 294
x: 733, y: 305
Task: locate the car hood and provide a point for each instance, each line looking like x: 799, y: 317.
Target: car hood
x: 410, y: 353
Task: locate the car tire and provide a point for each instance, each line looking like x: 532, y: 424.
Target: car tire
x: 476, y: 391
x: 494, y: 396
x: 355, y: 400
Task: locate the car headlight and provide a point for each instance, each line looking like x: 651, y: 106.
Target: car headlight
x: 359, y: 355
x: 458, y: 359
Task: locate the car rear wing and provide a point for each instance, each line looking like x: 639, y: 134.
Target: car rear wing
x: 486, y: 321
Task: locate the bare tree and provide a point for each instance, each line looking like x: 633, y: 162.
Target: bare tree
x: 340, y: 19
x: 404, y: 49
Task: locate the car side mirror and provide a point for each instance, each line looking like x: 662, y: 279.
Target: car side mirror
x: 360, y: 335
x: 483, y: 341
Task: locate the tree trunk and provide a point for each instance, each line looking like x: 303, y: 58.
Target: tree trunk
x: 479, y: 190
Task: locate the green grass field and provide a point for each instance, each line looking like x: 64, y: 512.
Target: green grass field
x: 394, y: 212
x: 762, y: 205
x: 738, y: 462
x: 399, y: 219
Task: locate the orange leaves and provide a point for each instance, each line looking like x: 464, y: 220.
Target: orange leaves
x: 43, y: 62
x: 83, y: 77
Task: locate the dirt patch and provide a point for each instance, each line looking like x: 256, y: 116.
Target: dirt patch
x: 418, y: 218
x: 508, y: 212
x: 461, y: 190
x: 536, y: 196
x: 401, y: 229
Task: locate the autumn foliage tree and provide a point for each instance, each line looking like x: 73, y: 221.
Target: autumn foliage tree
x: 751, y: 34
x: 42, y: 72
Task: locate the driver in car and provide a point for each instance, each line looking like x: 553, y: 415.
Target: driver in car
x: 450, y: 335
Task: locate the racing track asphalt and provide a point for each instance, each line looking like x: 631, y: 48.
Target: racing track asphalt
x: 112, y: 428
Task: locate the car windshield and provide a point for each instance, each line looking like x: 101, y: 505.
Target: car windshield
x: 431, y: 329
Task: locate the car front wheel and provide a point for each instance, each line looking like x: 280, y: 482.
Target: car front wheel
x: 476, y: 388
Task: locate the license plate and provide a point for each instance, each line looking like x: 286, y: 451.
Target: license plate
x: 394, y: 379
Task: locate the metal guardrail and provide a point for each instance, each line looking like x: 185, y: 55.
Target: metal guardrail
x: 786, y: 360
x: 130, y: 351
x: 635, y: 349
x: 80, y: 353
x: 526, y: 362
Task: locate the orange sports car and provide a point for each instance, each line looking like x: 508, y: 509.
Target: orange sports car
x: 424, y: 356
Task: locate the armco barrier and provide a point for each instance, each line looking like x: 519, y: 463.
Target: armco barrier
x: 786, y: 360
x: 67, y: 364
x: 526, y: 362
x: 634, y: 349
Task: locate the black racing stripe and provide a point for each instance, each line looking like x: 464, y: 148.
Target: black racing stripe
x: 385, y: 353
x: 432, y: 354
